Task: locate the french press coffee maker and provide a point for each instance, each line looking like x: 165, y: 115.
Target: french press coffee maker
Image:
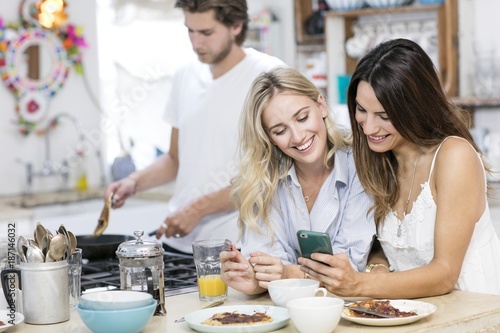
x: 141, y: 268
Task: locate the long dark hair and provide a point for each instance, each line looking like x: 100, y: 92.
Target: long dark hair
x: 407, y: 85
x: 228, y: 12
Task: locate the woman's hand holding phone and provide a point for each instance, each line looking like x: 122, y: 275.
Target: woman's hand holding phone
x: 314, y: 242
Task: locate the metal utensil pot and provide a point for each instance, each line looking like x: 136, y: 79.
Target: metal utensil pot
x: 141, y: 268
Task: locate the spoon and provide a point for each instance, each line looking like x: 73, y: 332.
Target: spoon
x: 49, y: 234
x: 58, y: 247
x: 22, y: 247
x: 34, y: 254
x: 44, y: 246
x: 62, y: 230
x: 72, y: 242
x: 40, y: 232
x: 48, y: 257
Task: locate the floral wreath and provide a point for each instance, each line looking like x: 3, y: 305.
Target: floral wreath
x: 33, y: 96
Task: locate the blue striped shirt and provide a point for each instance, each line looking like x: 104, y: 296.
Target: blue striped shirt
x: 340, y: 210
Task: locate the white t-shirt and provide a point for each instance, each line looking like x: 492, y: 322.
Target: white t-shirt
x: 207, y: 112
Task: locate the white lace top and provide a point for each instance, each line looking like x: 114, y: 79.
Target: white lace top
x: 414, y: 247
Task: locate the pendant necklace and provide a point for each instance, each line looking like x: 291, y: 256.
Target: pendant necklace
x: 409, y: 193
x: 308, y: 197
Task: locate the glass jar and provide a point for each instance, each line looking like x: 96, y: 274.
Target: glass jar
x: 141, y: 268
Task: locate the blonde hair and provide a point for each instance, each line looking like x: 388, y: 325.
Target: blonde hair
x: 262, y: 164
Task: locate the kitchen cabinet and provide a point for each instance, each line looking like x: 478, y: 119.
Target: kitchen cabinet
x: 310, y: 56
x: 304, y: 9
x: 339, y: 28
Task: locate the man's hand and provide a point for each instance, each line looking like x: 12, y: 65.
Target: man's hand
x: 122, y: 190
x: 181, y: 223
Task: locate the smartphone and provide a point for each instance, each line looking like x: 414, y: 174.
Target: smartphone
x: 313, y: 242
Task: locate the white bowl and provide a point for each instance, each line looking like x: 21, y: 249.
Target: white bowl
x: 387, y: 3
x: 315, y: 314
x: 115, y: 300
x: 343, y: 5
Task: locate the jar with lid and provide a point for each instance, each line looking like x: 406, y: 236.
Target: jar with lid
x: 141, y: 268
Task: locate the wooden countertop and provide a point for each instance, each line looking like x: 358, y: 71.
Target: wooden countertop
x: 458, y: 311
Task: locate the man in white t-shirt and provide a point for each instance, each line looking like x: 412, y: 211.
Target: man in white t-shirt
x: 204, y: 108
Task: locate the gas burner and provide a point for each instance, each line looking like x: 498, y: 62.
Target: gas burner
x: 179, y: 272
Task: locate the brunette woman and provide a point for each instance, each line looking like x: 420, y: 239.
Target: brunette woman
x: 415, y: 155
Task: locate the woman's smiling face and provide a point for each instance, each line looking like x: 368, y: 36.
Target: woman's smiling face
x: 295, y: 125
x: 371, y: 116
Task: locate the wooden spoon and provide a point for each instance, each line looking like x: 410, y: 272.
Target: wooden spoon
x: 103, y: 221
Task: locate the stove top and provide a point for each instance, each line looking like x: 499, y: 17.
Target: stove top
x: 179, y: 273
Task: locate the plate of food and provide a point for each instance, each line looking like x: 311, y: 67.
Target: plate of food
x: 8, y: 319
x: 398, y: 312
x: 238, y: 318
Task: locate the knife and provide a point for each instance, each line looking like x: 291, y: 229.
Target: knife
x: 362, y: 310
x: 212, y: 305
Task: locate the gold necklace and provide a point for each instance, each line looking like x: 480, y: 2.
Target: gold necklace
x: 308, y: 197
x: 409, y: 192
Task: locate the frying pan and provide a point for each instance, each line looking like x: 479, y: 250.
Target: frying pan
x: 102, y: 247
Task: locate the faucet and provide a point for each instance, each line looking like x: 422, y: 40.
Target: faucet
x: 50, y: 167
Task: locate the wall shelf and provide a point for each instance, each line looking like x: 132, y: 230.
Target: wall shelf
x: 303, y: 9
x: 476, y: 102
x: 339, y: 30
x: 311, y: 48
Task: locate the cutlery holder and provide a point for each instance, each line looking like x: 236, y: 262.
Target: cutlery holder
x: 44, y: 288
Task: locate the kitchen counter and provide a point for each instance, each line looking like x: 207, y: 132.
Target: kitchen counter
x: 458, y: 311
x: 61, y: 197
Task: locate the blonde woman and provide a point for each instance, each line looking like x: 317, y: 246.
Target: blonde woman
x: 296, y: 172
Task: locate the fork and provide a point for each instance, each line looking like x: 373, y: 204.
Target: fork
x: 212, y: 305
x: 362, y: 310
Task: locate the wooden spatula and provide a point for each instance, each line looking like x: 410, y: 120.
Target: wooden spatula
x: 103, y: 221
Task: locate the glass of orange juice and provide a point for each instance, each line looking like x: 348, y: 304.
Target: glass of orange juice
x: 206, y: 258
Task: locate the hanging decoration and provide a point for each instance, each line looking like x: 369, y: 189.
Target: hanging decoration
x: 35, y: 61
x: 51, y: 13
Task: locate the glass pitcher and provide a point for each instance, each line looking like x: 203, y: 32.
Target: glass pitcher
x: 141, y: 268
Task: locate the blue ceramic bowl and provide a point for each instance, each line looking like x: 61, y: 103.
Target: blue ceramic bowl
x: 117, y: 321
